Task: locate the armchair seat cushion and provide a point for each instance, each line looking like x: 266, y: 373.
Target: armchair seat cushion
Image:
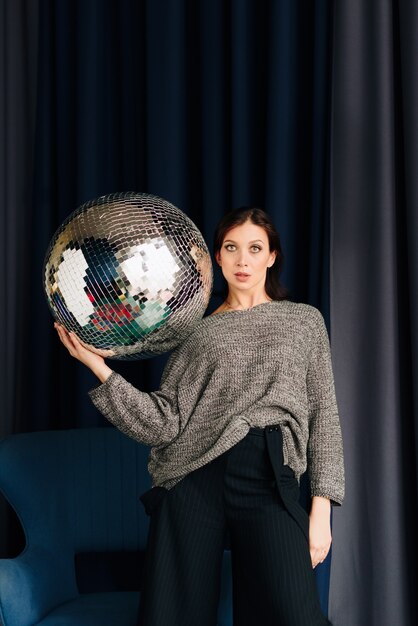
x: 96, y: 609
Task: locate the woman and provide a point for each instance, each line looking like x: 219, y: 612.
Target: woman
x: 246, y: 404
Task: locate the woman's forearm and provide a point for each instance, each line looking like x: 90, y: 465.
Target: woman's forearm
x: 102, y: 372
x: 320, y: 504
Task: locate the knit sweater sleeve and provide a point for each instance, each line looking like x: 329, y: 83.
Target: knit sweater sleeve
x: 150, y: 418
x: 325, y: 446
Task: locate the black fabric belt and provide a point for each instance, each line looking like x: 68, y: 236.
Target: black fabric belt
x: 286, y: 481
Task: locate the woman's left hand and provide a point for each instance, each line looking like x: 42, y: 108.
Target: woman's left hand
x: 319, y: 534
x: 90, y: 359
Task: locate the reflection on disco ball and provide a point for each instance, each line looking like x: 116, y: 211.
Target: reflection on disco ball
x: 130, y: 274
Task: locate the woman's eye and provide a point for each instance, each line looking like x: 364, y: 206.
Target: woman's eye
x: 228, y: 247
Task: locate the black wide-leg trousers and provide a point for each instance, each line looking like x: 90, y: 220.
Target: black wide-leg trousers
x: 250, y: 493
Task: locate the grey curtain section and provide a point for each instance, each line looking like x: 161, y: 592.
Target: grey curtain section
x: 374, y: 309
x: 18, y: 59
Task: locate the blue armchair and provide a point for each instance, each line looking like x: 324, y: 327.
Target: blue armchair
x: 76, y: 492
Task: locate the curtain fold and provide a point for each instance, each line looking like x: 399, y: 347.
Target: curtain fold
x: 374, y: 309
x: 18, y: 70
x: 18, y: 63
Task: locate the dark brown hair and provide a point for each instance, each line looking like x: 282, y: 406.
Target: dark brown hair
x: 236, y: 217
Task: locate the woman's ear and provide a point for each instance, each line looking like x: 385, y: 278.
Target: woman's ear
x: 274, y: 254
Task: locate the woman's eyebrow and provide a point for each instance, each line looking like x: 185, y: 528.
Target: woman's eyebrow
x: 253, y: 241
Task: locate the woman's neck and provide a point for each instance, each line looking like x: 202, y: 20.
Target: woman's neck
x: 234, y: 301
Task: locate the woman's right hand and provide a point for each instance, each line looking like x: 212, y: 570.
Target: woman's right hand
x: 93, y: 361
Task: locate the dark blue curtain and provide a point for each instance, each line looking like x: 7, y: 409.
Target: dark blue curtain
x: 211, y: 104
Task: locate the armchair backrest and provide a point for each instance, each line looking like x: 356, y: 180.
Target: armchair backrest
x: 74, y: 491
x: 77, y: 488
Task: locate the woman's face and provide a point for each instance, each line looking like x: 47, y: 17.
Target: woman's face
x: 245, y: 248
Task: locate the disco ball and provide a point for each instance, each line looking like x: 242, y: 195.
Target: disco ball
x: 130, y: 274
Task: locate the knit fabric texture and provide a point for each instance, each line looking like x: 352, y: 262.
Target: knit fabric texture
x: 270, y: 364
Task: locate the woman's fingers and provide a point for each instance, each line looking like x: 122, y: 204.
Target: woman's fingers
x: 320, y: 537
x: 77, y: 350
x: 319, y: 555
x: 62, y: 334
x: 68, y: 339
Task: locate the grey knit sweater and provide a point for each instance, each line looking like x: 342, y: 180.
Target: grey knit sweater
x: 265, y: 365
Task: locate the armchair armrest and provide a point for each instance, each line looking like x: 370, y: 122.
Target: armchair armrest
x: 33, y: 583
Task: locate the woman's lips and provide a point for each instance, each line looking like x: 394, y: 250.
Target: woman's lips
x: 242, y: 276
